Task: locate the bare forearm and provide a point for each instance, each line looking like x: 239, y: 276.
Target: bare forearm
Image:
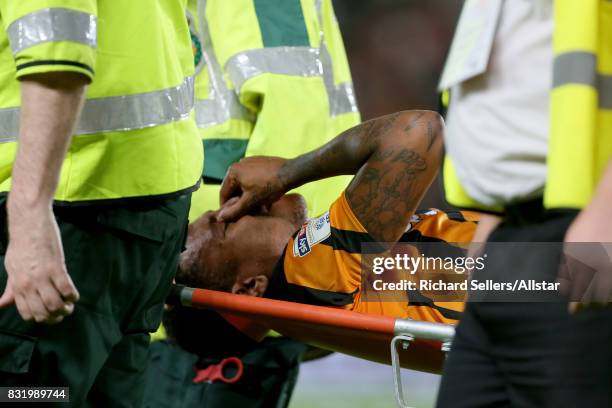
x: 602, y: 199
x: 588, y: 266
x: 344, y: 155
x: 50, y: 106
x: 394, y: 159
x: 593, y: 223
x: 38, y: 282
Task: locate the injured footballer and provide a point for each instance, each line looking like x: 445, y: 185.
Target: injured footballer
x: 261, y: 244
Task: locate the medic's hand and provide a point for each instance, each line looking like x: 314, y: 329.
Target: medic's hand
x: 255, y: 181
x: 586, y: 275
x: 38, y: 282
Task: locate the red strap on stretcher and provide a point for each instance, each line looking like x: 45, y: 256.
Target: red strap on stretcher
x: 215, y: 372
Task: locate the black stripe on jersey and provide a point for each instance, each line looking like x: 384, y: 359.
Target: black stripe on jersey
x: 440, y: 249
x: 455, y: 216
x: 415, y: 235
x: 279, y: 288
x: 416, y: 298
x: 351, y: 242
x: 317, y: 297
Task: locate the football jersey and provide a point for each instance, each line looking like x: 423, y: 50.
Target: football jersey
x: 322, y: 263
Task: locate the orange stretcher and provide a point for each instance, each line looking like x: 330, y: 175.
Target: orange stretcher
x: 423, y: 345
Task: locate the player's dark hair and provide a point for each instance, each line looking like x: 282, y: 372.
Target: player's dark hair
x: 205, y: 332
x: 198, y: 274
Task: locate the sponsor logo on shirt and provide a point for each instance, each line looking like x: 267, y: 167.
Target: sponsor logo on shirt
x: 301, y: 247
x: 311, y: 233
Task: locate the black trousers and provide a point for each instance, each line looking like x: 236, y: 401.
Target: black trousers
x: 507, y: 354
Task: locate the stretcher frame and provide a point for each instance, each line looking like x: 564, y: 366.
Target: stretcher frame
x: 256, y: 316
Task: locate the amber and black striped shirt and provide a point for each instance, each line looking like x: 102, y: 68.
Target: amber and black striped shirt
x: 321, y: 263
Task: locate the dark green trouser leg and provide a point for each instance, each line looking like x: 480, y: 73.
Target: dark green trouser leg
x: 270, y: 374
x: 122, y: 261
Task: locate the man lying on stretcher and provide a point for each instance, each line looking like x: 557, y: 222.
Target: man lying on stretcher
x: 250, y: 246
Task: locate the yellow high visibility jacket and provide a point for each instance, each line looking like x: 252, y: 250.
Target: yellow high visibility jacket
x: 580, y: 144
x: 272, y: 79
x: 137, y: 135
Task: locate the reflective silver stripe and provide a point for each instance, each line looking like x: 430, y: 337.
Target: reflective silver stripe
x: 342, y: 99
x: 294, y: 61
x: 186, y: 296
x: 9, y: 124
x: 581, y: 68
x: 575, y: 67
x: 605, y: 91
x: 119, y: 113
x: 208, y: 112
x: 222, y: 103
x: 424, y: 330
x: 52, y: 24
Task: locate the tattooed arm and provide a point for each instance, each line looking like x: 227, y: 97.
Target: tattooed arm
x: 394, y: 159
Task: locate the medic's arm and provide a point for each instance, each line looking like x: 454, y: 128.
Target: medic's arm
x: 53, y: 48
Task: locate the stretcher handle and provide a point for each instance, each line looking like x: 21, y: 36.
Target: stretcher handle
x: 405, y: 341
x: 405, y: 333
x: 424, y: 330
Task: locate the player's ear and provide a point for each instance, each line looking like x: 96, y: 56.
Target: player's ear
x: 251, y: 286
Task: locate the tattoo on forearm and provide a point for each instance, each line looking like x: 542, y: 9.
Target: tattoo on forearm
x: 413, y: 123
x: 411, y: 158
x: 383, y: 194
x: 392, y: 174
x: 337, y: 154
x: 431, y: 135
x: 383, y: 125
x: 387, y: 189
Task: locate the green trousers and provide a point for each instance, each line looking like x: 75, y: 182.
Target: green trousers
x: 268, y: 380
x: 122, y: 260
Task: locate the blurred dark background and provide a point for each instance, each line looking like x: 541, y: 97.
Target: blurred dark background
x: 396, y: 50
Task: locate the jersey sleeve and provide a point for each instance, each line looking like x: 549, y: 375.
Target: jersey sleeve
x: 321, y: 264
x: 454, y: 228
x: 51, y: 35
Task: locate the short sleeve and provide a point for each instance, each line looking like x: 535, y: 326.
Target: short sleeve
x: 321, y: 264
x: 51, y: 35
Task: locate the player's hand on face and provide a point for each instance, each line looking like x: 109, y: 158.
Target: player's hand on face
x: 249, y: 184
x: 38, y: 282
